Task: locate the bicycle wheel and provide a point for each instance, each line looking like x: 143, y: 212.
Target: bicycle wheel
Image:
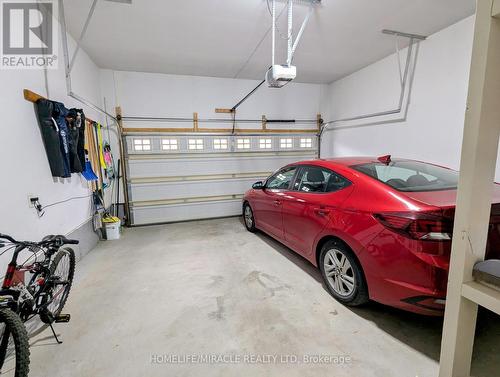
x: 14, y: 346
x: 62, y: 268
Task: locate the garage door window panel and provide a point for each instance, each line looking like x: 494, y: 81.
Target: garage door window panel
x: 220, y: 144
x: 286, y: 143
x: 243, y: 143
x: 306, y: 142
x: 265, y: 143
x: 169, y: 144
x: 142, y: 145
x: 195, y: 144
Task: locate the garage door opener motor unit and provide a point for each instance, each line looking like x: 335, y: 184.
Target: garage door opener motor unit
x: 279, y: 75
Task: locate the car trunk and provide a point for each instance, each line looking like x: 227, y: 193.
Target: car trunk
x: 446, y: 199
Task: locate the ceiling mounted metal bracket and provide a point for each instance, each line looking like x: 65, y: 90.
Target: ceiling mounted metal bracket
x: 70, y: 93
x: 405, y: 35
x: 82, y: 35
x: 411, y: 37
x: 406, y: 80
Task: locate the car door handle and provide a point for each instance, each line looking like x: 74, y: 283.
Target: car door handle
x: 321, y: 211
x: 277, y: 202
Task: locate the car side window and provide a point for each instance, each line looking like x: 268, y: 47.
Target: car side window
x: 320, y: 180
x: 336, y: 182
x: 281, y: 180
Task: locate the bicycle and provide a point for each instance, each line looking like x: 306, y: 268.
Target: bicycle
x: 44, y: 295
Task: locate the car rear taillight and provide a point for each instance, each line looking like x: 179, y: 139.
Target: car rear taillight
x: 427, y: 226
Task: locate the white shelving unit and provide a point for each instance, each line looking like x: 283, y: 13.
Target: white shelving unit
x: 482, y: 295
x: 477, y: 171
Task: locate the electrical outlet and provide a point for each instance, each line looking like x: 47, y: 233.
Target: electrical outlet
x: 32, y: 199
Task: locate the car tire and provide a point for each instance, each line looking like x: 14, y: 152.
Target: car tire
x: 342, y: 274
x: 248, y: 218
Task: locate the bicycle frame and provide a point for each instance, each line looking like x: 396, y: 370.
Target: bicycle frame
x: 13, y: 295
x: 11, y: 268
x: 35, y: 297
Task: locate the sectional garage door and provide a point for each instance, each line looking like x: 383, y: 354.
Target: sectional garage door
x: 177, y: 177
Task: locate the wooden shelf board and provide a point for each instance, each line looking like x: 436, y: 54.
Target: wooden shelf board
x: 482, y: 295
x: 33, y: 97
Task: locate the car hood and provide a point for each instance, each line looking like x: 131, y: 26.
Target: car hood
x: 446, y: 198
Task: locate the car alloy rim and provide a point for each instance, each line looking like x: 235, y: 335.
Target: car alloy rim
x: 339, y: 272
x: 248, y: 216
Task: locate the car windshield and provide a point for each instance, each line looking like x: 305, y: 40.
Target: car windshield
x: 411, y: 176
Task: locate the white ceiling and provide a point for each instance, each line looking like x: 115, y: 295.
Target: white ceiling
x: 216, y: 37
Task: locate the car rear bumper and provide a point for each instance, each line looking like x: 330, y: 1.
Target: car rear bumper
x: 405, y: 273
x: 429, y: 305
x: 414, y: 298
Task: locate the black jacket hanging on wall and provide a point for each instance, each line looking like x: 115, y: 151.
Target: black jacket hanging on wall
x: 63, y: 134
x: 76, y: 124
x: 59, y: 114
x: 50, y: 135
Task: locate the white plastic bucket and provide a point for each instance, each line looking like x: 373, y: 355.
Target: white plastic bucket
x: 112, y: 230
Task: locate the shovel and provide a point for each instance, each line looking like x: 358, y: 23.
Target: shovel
x: 88, y: 173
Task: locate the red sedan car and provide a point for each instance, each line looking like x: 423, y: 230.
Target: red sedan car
x: 377, y: 228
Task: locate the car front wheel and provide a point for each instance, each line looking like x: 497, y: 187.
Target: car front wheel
x: 342, y: 274
x: 248, y: 218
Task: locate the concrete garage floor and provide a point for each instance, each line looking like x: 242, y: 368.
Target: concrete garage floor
x: 210, y: 287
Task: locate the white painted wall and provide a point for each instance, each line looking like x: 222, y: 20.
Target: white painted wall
x: 25, y: 169
x: 162, y: 95
x: 434, y: 126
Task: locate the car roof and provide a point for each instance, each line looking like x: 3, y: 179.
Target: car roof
x: 338, y: 161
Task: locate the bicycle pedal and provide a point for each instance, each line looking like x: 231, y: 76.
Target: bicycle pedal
x: 62, y: 318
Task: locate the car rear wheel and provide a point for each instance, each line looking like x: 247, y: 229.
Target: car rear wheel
x: 342, y: 274
x: 248, y: 218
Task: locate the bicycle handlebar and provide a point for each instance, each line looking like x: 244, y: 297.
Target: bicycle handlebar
x: 8, y: 238
x: 61, y: 240
x: 58, y: 240
x: 70, y: 242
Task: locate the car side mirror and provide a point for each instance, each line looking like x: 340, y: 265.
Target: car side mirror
x: 258, y: 185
